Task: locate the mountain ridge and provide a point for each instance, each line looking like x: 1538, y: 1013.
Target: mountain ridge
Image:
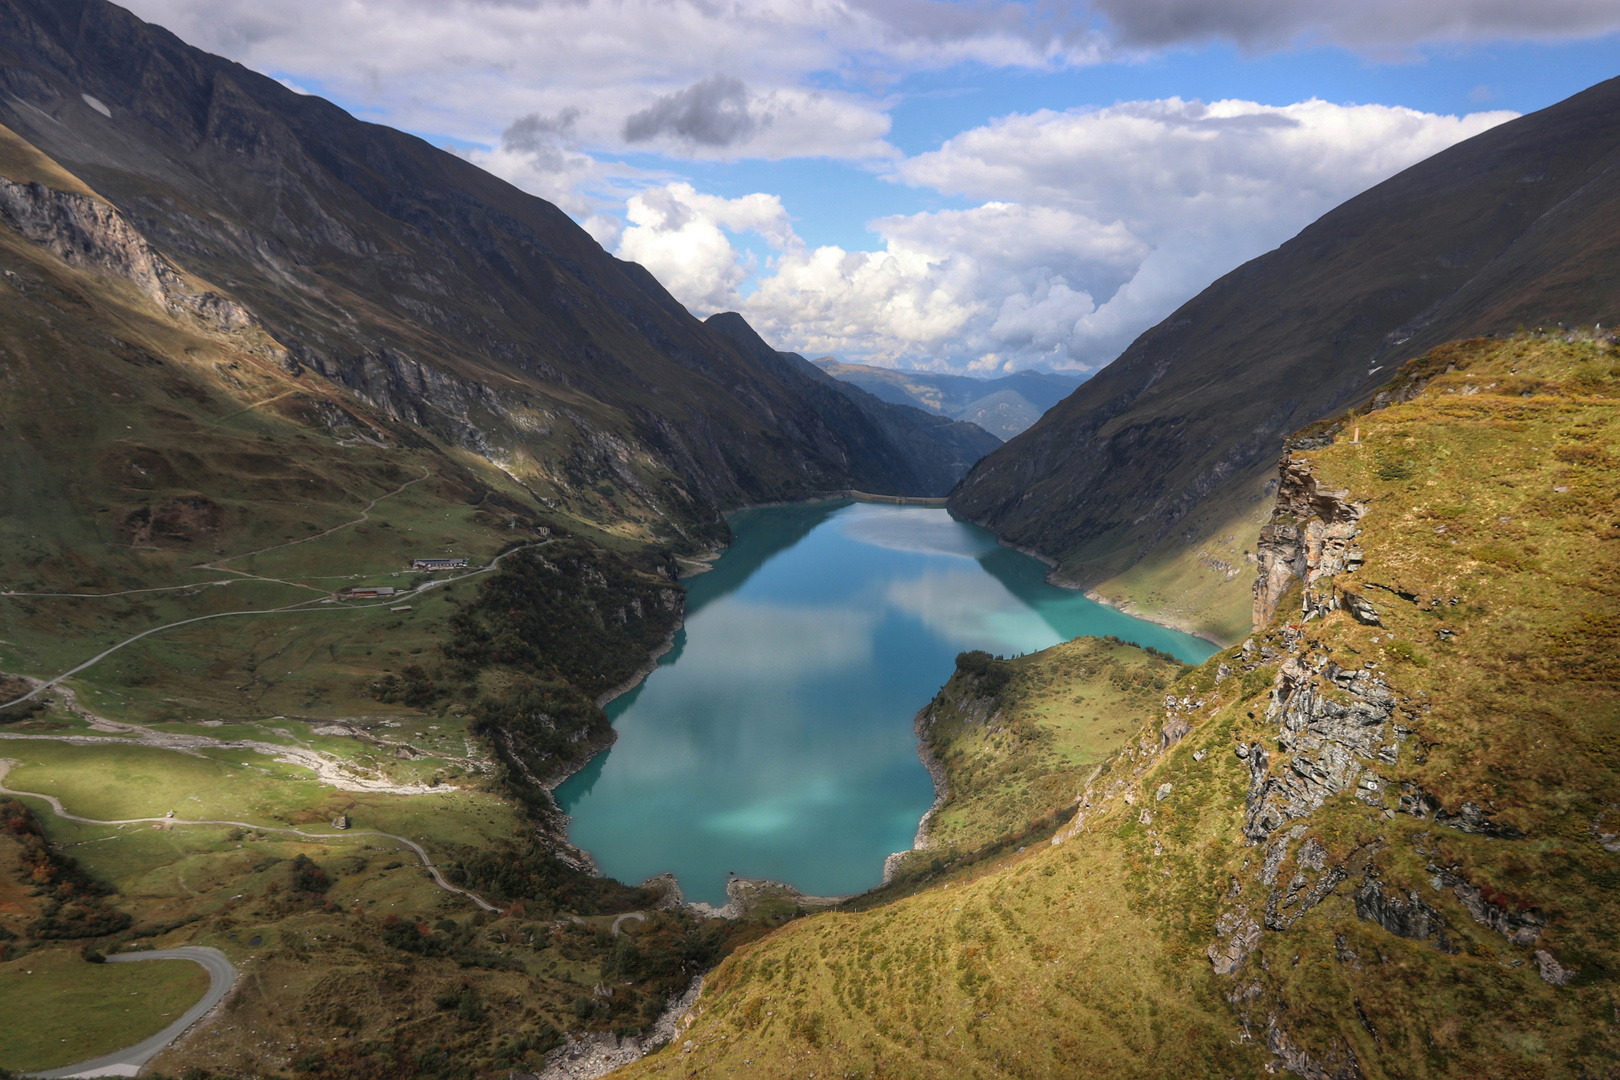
x: 1005, y: 405
x: 422, y: 284
x: 1140, y: 483
x: 918, y: 432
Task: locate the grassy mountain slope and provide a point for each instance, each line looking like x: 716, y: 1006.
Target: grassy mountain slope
x: 1017, y: 739
x: 1159, y: 464
x: 426, y: 287
x: 1005, y: 405
x: 1378, y: 840
x: 164, y: 464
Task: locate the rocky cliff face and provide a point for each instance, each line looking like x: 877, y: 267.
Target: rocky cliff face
x: 90, y: 234
x: 1339, y: 726
x: 1309, y: 538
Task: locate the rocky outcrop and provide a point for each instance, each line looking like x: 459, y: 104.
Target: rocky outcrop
x: 1238, y: 934
x: 90, y: 234
x: 1310, y: 537
x: 1551, y: 971
x: 586, y: 1057
x: 1336, y: 1062
x: 1403, y: 913
x: 1519, y: 927
x: 1312, y: 882
x: 1333, y: 725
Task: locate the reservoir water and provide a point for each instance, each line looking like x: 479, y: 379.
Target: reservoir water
x: 775, y: 740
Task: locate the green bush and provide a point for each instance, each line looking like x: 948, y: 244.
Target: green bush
x: 992, y: 672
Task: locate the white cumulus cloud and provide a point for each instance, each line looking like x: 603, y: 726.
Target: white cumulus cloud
x: 1094, y: 225
x: 679, y: 234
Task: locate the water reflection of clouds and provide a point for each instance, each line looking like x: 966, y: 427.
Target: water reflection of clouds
x: 744, y: 640
x: 925, y: 532
x: 967, y: 607
x: 782, y: 811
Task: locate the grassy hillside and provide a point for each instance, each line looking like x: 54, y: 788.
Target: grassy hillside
x: 63, y: 1010
x: 1018, y: 739
x: 176, y: 493
x: 1377, y: 840
x: 354, y: 962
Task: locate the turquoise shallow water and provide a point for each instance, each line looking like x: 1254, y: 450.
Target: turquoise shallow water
x: 774, y: 740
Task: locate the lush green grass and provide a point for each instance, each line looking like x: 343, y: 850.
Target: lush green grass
x: 120, y: 781
x: 59, y: 1009
x: 1025, y: 751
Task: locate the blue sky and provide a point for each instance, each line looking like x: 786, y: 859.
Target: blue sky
x: 932, y: 107
x: 963, y: 185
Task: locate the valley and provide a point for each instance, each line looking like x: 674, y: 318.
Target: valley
x: 505, y: 671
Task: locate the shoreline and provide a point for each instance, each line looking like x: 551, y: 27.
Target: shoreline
x: 942, y: 791
x: 1054, y: 578
x: 655, y: 654
x: 1169, y: 624
x: 935, y: 769
x: 933, y: 502
x: 555, y: 832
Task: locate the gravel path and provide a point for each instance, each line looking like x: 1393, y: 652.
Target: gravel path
x: 421, y: 853
x: 128, y: 1061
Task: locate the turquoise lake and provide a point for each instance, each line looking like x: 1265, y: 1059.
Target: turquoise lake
x: 775, y: 740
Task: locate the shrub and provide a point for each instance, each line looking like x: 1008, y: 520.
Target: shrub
x: 992, y: 672
x: 306, y: 877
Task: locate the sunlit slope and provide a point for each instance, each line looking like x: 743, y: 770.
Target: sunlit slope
x: 1410, y: 869
x: 188, y: 507
x: 1144, y: 483
x: 144, y: 441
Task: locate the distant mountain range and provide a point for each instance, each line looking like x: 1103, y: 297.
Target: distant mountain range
x: 1004, y: 406
x: 1149, y: 480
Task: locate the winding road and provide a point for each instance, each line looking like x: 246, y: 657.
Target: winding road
x: 639, y: 916
x: 128, y: 1061
x: 421, y: 853
x: 302, y: 606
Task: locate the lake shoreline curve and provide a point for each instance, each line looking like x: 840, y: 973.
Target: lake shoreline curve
x: 699, y: 564
x: 920, y: 724
x: 1055, y: 578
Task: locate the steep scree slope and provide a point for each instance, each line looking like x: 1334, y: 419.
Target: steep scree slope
x: 1169, y: 449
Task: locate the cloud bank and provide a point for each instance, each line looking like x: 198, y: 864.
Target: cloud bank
x: 1073, y: 231
x: 1094, y: 225
x: 1368, y: 25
